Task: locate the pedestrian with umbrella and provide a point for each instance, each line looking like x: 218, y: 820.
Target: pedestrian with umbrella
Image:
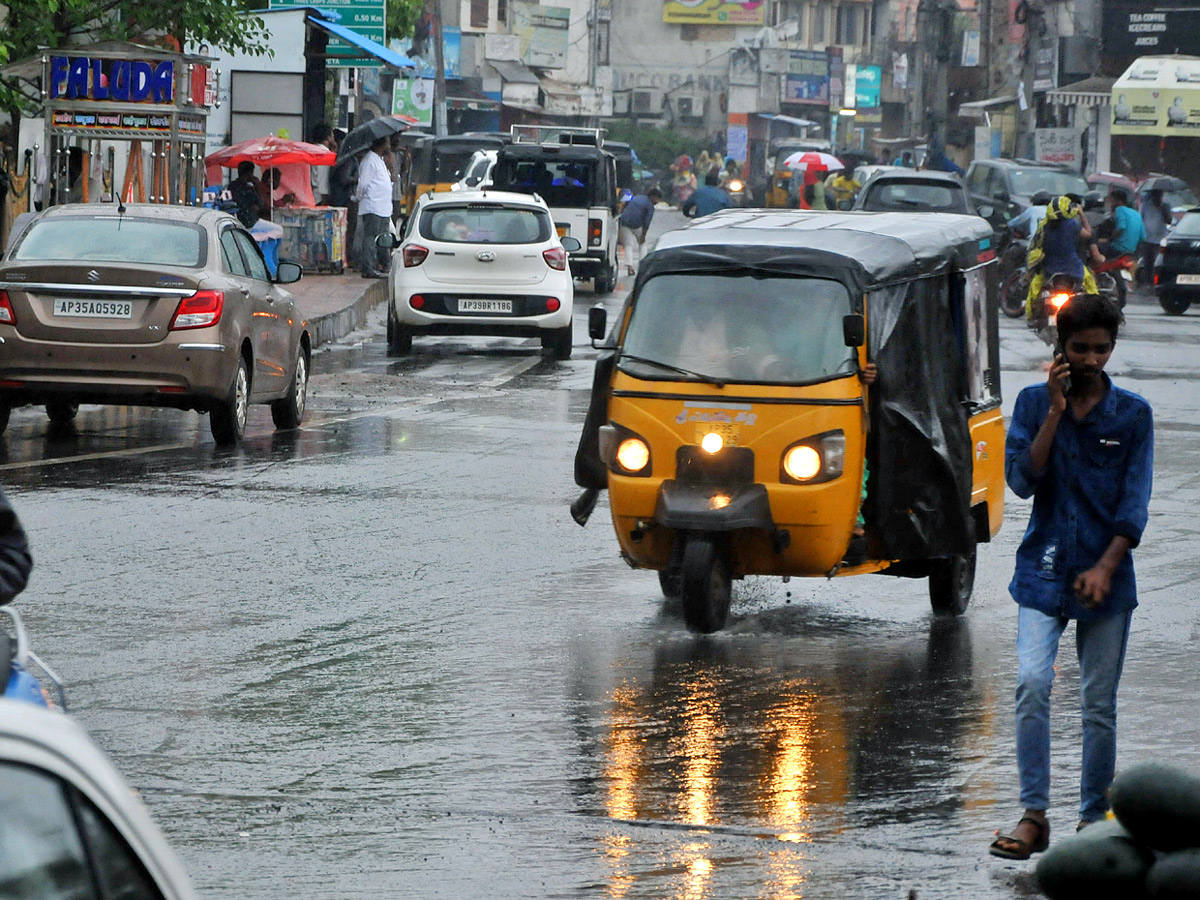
x: 374, y: 208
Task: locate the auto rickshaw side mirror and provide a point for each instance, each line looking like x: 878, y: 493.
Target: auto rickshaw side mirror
x: 854, y: 331
x: 597, y: 322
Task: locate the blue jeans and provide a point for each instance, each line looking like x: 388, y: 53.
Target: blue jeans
x: 1100, y: 645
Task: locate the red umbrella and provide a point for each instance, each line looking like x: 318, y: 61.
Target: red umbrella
x: 272, y: 151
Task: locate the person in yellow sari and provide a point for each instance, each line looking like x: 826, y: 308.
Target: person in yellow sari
x: 1054, y: 249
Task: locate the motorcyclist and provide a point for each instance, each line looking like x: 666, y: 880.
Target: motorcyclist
x: 1055, y: 249
x: 15, y: 561
x: 1128, y: 232
x: 1026, y: 222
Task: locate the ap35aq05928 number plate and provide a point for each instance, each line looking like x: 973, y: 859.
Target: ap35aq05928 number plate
x: 487, y: 306
x: 94, y: 309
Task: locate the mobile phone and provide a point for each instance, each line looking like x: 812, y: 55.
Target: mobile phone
x: 1060, y: 352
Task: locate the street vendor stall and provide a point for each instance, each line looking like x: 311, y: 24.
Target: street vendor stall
x: 311, y: 235
x: 121, y: 105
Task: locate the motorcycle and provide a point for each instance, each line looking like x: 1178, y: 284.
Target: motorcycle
x: 738, y: 192
x: 1013, y: 286
x: 1056, y: 293
x: 1114, y: 276
x: 20, y: 663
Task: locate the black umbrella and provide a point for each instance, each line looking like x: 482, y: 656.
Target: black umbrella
x: 1163, y: 183
x: 366, y: 134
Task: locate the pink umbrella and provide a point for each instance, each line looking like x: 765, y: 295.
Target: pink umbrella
x: 802, y: 159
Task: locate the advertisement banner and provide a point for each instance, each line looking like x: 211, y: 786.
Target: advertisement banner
x: 714, y: 12
x: 1158, y: 95
x: 867, y: 84
x: 900, y: 71
x: 1057, y: 145
x: 1136, y: 112
x: 807, y: 78
x: 1045, y: 66
x: 1132, y: 29
x: 451, y: 54
x: 542, y: 31
x: 413, y: 97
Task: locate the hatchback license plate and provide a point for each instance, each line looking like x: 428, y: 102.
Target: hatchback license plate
x: 1187, y: 279
x: 485, y: 306
x: 94, y: 309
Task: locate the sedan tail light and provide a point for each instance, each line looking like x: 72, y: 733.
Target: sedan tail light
x: 201, y: 310
x: 555, y: 257
x: 414, y: 255
x: 595, y: 232
x: 7, y: 316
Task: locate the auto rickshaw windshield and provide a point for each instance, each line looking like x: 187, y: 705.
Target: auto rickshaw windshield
x: 739, y: 327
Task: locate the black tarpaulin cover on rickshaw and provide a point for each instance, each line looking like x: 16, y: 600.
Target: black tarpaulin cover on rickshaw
x: 919, y: 449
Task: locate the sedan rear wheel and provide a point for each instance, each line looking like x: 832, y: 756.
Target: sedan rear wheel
x: 1173, y: 305
x: 61, y: 412
x: 288, y: 411
x: 227, y: 419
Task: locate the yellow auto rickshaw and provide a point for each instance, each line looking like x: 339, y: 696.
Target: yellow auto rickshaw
x: 438, y: 162
x: 734, y: 434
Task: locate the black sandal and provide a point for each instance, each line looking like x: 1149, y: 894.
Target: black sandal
x: 1006, y: 846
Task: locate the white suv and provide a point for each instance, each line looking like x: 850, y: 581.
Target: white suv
x: 480, y: 263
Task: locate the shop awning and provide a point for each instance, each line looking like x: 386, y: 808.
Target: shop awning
x: 465, y: 98
x: 977, y: 108
x: 514, y: 71
x: 789, y: 120
x: 1158, y: 95
x: 368, y: 46
x: 1095, y: 91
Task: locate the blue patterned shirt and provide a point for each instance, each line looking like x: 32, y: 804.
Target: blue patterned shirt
x: 1095, y: 486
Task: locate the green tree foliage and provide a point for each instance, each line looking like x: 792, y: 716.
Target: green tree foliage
x: 401, y: 17
x: 656, y: 147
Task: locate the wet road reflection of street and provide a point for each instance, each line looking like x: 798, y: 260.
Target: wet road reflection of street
x: 375, y: 657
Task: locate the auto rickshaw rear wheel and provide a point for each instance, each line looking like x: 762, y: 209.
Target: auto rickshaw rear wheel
x: 951, y: 583
x: 705, y: 585
x: 669, y: 580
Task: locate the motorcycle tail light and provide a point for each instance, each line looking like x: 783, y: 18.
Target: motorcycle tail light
x: 1058, y: 301
x: 595, y: 232
x: 556, y: 258
x: 414, y: 255
x: 201, y: 310
x: 7, y: 316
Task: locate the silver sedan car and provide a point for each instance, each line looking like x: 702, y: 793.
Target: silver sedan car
x: 149, y: 305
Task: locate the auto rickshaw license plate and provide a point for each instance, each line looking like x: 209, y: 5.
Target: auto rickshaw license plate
x: 728, y: 432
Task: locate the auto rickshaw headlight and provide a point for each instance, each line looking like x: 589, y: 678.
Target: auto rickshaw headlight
x: 815, y: 459
x: 633, y: 455
x: 623, y: 451
x: 712, y: 442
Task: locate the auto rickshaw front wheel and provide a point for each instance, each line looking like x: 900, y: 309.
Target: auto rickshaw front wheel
x: 705, y: 584
x: 951, y: 583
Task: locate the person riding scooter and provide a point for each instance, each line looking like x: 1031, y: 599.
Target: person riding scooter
x: 1055, y: 250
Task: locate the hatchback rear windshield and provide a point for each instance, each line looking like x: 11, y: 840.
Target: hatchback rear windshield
x: 1188, y: 226
x: 109, y: 239
x: 483, y: 224
x: 916, y: 195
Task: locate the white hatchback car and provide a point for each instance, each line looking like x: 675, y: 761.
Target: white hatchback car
x: 480, y: 263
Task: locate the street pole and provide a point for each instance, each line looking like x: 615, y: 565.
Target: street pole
x: 594, y: 53
x: 439, y: 74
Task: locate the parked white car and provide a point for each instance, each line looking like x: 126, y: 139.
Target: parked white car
x: 68, y: 820
x: 480, y: 263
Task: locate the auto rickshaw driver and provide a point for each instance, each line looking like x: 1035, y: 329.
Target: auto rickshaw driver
x: 717, y: 467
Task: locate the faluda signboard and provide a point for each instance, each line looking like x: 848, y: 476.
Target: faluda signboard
x: 118, y: 80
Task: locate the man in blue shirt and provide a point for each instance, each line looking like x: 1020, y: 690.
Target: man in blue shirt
x: 633, y: 224
x: 707, y: 199
x: 1129, y: 231
x: 1083, y: 448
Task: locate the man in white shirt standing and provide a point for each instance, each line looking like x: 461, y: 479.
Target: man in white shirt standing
x: 374, y: 209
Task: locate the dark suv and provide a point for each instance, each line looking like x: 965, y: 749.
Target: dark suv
x: 1007, y: 184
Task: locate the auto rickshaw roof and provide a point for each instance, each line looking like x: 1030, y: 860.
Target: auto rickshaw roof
x: 864, y: 248
x: 545, y: 152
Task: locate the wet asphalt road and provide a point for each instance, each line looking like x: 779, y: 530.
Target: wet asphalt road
x: 376, y: 658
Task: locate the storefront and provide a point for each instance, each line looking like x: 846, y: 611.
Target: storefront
x: 122, y: 120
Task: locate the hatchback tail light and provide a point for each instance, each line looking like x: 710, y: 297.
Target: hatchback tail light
x: 7, y: 316
x: 414, y: 255
x: 201, y: 310
x: 595, y: 232
x: 555, y: 257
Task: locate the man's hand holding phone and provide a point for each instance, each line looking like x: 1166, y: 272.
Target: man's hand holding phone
x: 1059, y: 382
